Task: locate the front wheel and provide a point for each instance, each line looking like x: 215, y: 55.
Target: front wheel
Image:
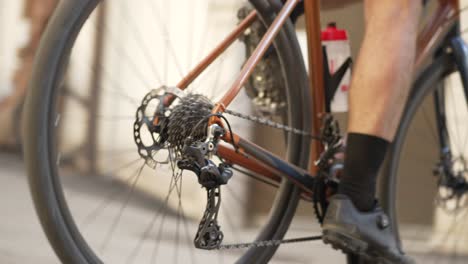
x: 424, y: 185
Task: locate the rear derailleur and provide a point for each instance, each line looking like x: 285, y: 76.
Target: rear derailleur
x: 196, y: 157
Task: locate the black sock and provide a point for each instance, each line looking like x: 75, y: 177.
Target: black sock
x: 363, y: 158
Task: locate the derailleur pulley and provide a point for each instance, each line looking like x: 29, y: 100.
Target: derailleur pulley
x: 196, y: 157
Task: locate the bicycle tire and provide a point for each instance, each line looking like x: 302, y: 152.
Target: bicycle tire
x: 50, y: 65
x: 428, y: 82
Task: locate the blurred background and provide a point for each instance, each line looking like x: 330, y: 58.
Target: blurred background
x: 97, y: 83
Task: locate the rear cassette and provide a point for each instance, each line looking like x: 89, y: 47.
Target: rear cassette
x: 158, y: 126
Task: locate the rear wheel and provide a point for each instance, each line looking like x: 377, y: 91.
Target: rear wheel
x: 123, y: 210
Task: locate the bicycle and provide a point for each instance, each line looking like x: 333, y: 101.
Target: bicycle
x: 174, y: 126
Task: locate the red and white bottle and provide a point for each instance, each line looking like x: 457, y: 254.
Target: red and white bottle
x: 338, y: 50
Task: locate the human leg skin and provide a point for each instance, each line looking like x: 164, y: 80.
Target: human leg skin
x: 378, y: 93
x: 354, y: 222
x: 383, y: 74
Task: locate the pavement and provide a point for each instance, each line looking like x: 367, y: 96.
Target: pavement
x: 21, y: 237
x: 23, y: 241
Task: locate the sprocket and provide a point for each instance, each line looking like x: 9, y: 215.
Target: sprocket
x: 188, y: 121
x: 171, y: 127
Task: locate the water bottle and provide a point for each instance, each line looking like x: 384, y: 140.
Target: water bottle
x: 338, y: 50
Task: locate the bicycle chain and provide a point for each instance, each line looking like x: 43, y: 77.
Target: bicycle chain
x: 259, y: 120
x: 269, y: 123
x: 209, y: 220
x: 267, y: 243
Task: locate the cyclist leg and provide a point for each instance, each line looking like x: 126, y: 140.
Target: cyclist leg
x: 379, y: 89
x: 380, y: 86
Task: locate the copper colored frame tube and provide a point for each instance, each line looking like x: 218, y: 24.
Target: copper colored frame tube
x: 194, y: 73
x: 316, y: 71
x: 312, y: 16
x: 232, y: 157
x: 432, y: 34
x: 262, y: 47
x: 428, y: 40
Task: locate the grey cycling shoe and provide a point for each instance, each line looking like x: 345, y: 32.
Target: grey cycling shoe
x: 367, y: 234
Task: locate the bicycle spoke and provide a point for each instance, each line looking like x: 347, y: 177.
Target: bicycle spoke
x: 166, y: 6
x: 203, y: 42
x: 430, y: 124
x: 158, y: 236
x: 117, y: 88
x: 236, y: 197
x: 228, y: 218
x: 166, y: 34
x: 218, y: 76
x: 141, y: 42
x: 84, y: 119
x: 110, y: 197
x: 117, y: 151
x: 148, y: 230
x: 188, y: 237
x: 454, y: 241
x: 122, y: 53
x: 179, y: 191
x: 190, y: 22
x: 115, y: 223
x: 453, y: 113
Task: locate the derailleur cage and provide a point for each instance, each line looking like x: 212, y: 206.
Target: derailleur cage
x: 196, y: 158
x: 209, y: 235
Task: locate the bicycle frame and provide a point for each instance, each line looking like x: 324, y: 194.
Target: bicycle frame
x: 255, y: 158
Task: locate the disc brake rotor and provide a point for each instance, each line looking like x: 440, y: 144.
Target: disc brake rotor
x: 159, y: 127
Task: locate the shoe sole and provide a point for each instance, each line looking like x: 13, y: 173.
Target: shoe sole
x: 352, y: 245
